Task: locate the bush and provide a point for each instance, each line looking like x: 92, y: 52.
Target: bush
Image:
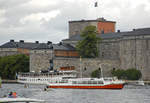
x: 133, y: 74
x: 96, y: 73
x: 129, y: 74
x: 120, y: 73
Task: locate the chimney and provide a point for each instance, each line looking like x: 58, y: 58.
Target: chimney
x: 101, y: 19
x: 11, y: 40
x: 49, y: 42
x: 60, y: 43
x: 21, y: 41
x: 133, y: 29
x: 37, y: 42
x: 118, y: 31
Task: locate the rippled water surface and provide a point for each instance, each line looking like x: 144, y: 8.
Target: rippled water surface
x: 129, y: 94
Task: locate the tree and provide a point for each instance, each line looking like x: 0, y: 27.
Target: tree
x: 88, y: 47
x: 10, y: 65
x: 96, y: 73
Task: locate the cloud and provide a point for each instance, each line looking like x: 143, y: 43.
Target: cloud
x: 38, y: 3
x: 2, y: 13
x: 45, y: 20
x: 40, y: 16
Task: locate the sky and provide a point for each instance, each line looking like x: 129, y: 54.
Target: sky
x: 47, y: 20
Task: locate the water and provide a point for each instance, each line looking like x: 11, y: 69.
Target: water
x: 129, y: 94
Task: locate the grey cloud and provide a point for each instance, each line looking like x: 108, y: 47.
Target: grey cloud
x: 56, y: 28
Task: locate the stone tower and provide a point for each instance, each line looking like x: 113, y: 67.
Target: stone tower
x: 102, y: 25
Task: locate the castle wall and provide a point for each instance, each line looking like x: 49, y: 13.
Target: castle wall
x: 106, y: 27
x: 39, y: 60
x: 78, y: 27
x: 89, y: 64
x: 130, y: 52
x: 8, y: 51
x: 135, y: 53
x: 109, y: 49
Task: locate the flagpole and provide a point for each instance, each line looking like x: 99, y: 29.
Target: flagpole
x: 80, y: 68
x: 96, y: 6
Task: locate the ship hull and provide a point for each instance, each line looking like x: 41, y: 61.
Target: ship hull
x: 110, y: 86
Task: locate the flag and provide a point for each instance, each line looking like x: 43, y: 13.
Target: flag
x: 96, y: 4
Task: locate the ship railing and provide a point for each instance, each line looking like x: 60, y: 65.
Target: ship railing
x: 46, y: 75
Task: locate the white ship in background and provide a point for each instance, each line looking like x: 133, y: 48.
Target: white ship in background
x: 43, y: 78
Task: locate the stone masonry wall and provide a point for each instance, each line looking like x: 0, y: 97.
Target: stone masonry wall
x: 89, y: 64
x: 77, y: 27
x: 39, y: 60
x: 8, y: 51
x: 135, y: 53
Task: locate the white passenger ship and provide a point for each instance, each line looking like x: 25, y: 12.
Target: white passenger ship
x: 87, y: 83
x: 43, y: 78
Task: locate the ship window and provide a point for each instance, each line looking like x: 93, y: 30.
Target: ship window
x: 100, y: 82
x: 94, y: 82
x: 84, y: 82
x: 74, y: 82
x: 89, y: 82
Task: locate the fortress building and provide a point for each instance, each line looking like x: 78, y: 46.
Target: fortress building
x: 117, y: 50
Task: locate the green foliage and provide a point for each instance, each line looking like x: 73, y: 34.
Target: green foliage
x: 87, y: 47
x: 96, y: 74
x: 129, y: 74
x: 133, y: 74
x: 10, y: 65
x: 120, y: 73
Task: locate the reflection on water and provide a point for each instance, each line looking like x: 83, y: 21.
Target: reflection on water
x: 129, y: 94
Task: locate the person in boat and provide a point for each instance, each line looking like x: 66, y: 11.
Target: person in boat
x: 45, y: 89
x: 12, y: 95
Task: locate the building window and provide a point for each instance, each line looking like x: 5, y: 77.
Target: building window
x: 147, y: 44
x: 76, y: 32
x: 102, y: 54
x: 114, y: 69
x: 102, y: 31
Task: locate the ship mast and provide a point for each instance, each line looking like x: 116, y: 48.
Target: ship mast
x: 101, y: 71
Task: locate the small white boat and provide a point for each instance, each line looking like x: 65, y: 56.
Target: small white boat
x: 140, y: 83
x: 27, y: 100
x: 0, y: 82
